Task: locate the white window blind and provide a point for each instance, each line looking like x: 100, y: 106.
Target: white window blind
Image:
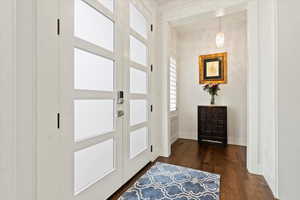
x: 173, y: 84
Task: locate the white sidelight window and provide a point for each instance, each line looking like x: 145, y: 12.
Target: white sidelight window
x: 173, y: 84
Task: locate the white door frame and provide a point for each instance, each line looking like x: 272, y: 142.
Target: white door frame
x: 8, y: 154
x: 17, y: 108
x: 253, y: 90
x: 48, y: 136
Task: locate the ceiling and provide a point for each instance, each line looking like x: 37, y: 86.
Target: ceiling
x: 162, y: 1
x: 206, y: 21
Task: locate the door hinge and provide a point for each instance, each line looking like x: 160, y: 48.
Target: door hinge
x: 58, y: 26
x: 151, y: 68
x: 151, y: 27
x: 151, y: 148
x: 58, y: 120
x: 151, y: 108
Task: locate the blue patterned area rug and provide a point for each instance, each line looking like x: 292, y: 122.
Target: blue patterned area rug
x: 170, y: 182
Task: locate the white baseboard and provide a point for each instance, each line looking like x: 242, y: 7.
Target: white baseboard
x: 172, y: 140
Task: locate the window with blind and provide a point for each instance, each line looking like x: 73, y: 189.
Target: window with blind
x: 173, y: 84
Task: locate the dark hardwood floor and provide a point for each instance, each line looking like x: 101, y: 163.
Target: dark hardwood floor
x: 229, y: 162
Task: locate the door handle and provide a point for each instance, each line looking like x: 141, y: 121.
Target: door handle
x: 120, y: 113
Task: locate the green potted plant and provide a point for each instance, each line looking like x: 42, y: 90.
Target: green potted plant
x: 212, y: 89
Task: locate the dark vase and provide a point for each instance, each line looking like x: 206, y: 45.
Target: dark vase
x: 212, y: 100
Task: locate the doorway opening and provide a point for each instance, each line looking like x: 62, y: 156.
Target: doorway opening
x: 188, y: 37
x: 197, y: 39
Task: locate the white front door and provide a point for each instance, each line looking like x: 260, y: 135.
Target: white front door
x: 102, y: 147
x: 138, y: 106
x: 90, y: 78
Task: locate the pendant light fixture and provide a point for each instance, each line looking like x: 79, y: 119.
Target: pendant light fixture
x: 220, y: 37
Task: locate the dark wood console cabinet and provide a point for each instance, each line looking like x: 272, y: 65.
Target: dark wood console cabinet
x: 212, y: 123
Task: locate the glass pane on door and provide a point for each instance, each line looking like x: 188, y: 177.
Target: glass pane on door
x: 138, y: 111
x: 93, y: 118
x: 137, y: 21
x: 92, y: 26
x: 138, y: 51
x: 138, y: 141
x: 138, y: 81
x: 92, y: 164
x: 93, y: 72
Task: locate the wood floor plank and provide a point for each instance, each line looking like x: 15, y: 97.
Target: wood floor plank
x: 229, y: 162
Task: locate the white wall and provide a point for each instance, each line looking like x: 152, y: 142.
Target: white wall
x: 289, y: 98
x: 267, y: 91
x: 26, y: 99
x: 174, y: 128
x: 199, y: 39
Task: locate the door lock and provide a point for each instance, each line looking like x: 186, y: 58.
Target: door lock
x: 120, y: 99
x: 120, y: 113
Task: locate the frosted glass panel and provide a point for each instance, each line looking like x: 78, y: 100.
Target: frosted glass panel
x: 138, y: 81
x: 92, y: 164
x: 109, y: 4
x: 138, y: 142
x: 93, y: 72
x: 138, y: 111
x: 92, y: 26
x: 138, y: 51
x: 138, y: 21
x: 93, y: 118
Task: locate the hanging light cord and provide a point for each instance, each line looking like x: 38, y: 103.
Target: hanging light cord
x: 220, y: 24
